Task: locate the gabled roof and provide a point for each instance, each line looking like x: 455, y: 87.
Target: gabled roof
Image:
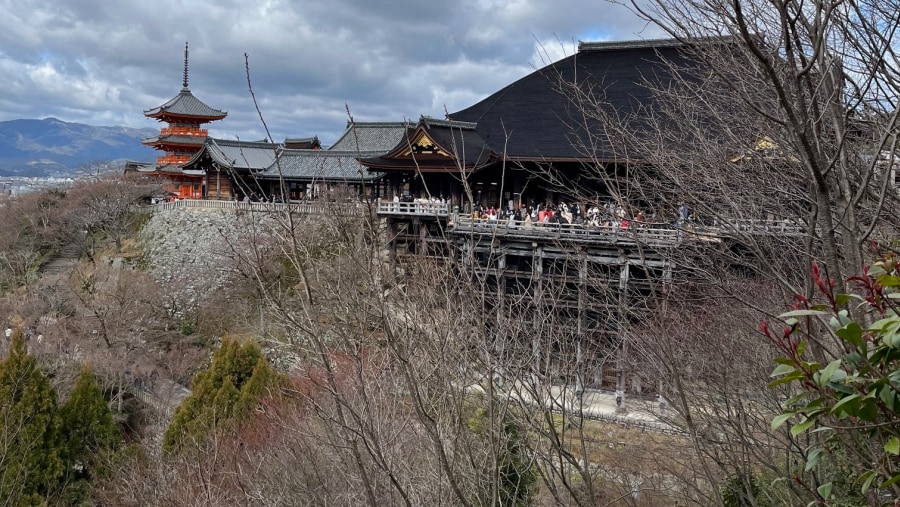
x: 436, y: 145
x: 241, y: 155
x: 185, y: 105
x: 535, y: 117
x: 325, y: 165
x: 302, y: 143
x: 371, y: 136
x: 132, y: 166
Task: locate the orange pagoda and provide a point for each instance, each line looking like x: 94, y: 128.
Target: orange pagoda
x: 181, y: 138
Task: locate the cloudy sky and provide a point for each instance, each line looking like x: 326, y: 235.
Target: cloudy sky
x: 103, y: 62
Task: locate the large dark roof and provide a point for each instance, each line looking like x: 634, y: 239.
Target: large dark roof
x: 330, y: 165
x: 186, y: 105
x: 535, y: 118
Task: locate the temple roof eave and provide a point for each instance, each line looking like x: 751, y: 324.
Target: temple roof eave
x: 395, y: 165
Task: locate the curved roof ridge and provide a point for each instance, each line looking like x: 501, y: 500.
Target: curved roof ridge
x: 238, y: 142
x: 357, y: 124
x: 649, y: 43
x: 429, y: 122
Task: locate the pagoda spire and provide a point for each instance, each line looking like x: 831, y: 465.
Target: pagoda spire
x: 185, y: 83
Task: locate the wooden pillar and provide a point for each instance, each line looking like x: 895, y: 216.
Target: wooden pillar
x: 621, y: 324
x: 537, y: 283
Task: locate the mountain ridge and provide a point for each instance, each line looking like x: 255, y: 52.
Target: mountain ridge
x: 53, y: 147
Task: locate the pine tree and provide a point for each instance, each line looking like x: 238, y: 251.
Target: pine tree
x: 30, y: 462
x: 87, y: 422
x: 222, y: 394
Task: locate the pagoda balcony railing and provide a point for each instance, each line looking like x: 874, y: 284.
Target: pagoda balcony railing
x: 183, y: 131
x: 430, y: 209
x: 172, y: 159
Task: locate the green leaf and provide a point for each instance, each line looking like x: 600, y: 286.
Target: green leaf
x: 851, y: 333
x: 876, y: 269
x: 890, y: 482
x: 840, y: 320
x: 842, y: 299
x: 802, y: 426
x: 813, y: 459
x: 801, y: 313
x: 889, y: 280
x: 840, y: 406
x: 779, y: 420
x: 886, y: 394
x: 866, y: 479
x: 825, y: 490
x: 892, y: 446
x: 787, y: 379
x: 868, y: 411
x: 884, y: 324
x: 783, y: 369
x: 824, y: 377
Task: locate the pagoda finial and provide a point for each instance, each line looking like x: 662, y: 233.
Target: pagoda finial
x: 185, y: 84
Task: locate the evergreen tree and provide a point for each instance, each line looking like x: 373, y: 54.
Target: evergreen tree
x: 222, y: 394
x: 30, y: 462
x: 87, y: 422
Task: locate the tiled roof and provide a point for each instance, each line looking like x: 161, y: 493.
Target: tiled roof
x: 331, y: 165
x: 302, y: 143
x: 175, y: 139
x: 535, y: 118
x: 429, y: 122
x: 368, y: 137
x: 459, y: 139
x: 169, y: 169
x: 142, y: 167
x: 185, y: 104
x: 246, y: 155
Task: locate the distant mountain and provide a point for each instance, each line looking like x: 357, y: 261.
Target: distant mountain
x: 52, y: 147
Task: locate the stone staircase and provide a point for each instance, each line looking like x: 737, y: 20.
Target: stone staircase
x: 64, y: 261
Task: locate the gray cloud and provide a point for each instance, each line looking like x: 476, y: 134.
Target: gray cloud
x: 104, y: 62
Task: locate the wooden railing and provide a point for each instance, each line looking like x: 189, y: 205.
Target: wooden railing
x: 413, y: 208
x: 651, y: 234
x: 648, y: 234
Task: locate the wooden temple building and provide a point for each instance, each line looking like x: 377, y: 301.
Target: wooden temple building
x: 525, y: 146
x: 298, y: 169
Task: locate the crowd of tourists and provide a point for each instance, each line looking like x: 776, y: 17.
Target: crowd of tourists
x: 608, y: 215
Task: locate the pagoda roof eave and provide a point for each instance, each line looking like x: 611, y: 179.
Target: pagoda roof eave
x: 174, y: 140
x: 167, y: 117
x: 186, y: 105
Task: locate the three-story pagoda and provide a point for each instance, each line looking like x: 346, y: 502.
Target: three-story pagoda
x: 183, y: 136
